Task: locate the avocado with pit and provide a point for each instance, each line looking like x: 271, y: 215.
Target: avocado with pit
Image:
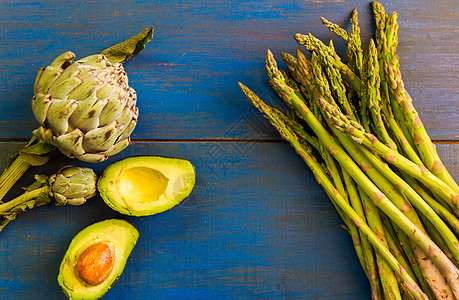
x: 95, y: 258
x: 146, y: 185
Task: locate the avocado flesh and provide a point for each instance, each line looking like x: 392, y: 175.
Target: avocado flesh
x: 142, y: 184
x: 146, y: 185
x: 120, y: 233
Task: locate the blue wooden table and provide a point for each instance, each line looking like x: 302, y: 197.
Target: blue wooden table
x: 257, y: 225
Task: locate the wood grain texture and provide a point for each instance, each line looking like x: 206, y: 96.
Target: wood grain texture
x: 256, y: 226
x: 187, y: 77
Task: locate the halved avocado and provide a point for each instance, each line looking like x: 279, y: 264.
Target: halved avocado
x: 95, y: 258
x: 146, y: 185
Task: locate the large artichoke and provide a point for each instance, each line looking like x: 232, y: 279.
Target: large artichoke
x: 70, y: 185
x: 86, y: 107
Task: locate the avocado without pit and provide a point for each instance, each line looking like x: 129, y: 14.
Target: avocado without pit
x: 146, y: 185
x: 95, y: 258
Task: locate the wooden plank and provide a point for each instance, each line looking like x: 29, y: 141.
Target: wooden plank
x: 187, y: 77
x: 257, y: 225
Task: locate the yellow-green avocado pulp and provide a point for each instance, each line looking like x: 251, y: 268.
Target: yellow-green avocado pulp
x: 119, y: 233
x: 146, y: 185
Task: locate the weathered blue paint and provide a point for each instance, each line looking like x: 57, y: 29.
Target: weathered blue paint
x: 257, y: 225
x: 187, y: 77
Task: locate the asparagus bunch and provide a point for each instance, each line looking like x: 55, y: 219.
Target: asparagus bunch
x: 355, y: 126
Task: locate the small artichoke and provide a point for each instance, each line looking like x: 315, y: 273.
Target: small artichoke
x: 73, y: 185
x: 85, y: 107
x: 70, y: 185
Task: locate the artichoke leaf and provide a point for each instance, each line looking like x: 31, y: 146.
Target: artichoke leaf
x: 37, y: 148
x: 40, y: 106
x: 114, y: 107
x: 59, y: 113
x: 121, y: 52
x: 33, y: 159
x: 45, y: 79
x: 71, y: 142
x: 92, y: 157
x: 117, y: 147
x: 129, y: 129
x: 102, y: 138
x: 63, y: 60
x: 33, y: 152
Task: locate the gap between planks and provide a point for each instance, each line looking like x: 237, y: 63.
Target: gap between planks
x: 140, y: 141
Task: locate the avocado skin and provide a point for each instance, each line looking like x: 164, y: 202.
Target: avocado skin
x: 180, y: 174
x: 121, y: 233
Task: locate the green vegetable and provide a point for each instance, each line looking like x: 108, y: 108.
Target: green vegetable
x: 85, y: 108
x: 95, y: 258
x: 70, y: 185
x: 322, y: 178
x: 146, y: 185
x: 356, y: 127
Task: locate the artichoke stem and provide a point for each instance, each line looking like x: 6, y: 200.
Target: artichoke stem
x: 5, y: 208
x: 12, y: 174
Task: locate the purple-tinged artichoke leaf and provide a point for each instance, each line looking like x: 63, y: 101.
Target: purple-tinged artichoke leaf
x: 118, y: 147
x: 63, y: 60
x: 92, y: 157
x: 93, y: 62
x: 87, y: 120
x: 76, y: 201
x: 107, y: 90
x: 114, y: 107
x: 59, y: 113
x: 71, y: 142
x: 45, y: 79
x: 84, y: 90
x: 63, y: 85
x: 75, y: 190
x: 130, y: 127
x: 68, y: 171
x: 40, y: 106
x: 44, y: 134
x: 61, y: 183
x: 102, y: 138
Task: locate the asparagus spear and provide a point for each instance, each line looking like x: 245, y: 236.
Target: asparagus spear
x: 387, y: 51
x: 364, y: 249
x: 328, y: 57
x: 388, y: 280
x: 308, y: 71
x: 449, y: 270
x: 335, y: 28
x: 334, y: 195
x: 367, y: 248
x: 355, y: 52
x: 419, y: 172
x: 357, y: 157
x: 422, y: 140
x: 353, y: 43
x: 371, y: 80
x: 371, y: 94
x: 430, y: 271
x: 337, y: 86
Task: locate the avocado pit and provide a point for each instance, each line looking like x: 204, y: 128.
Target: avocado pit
x: 95, y: 264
